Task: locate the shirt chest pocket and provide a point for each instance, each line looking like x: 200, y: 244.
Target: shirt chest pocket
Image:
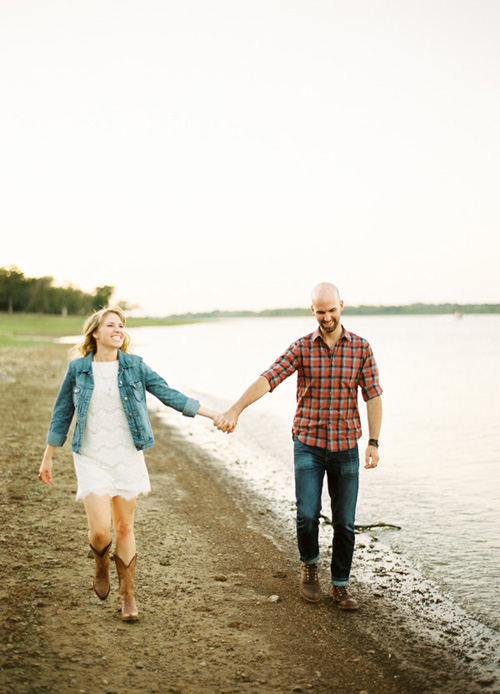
x: 349, y: 375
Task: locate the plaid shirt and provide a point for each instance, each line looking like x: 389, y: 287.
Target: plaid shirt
x: 327, y: 413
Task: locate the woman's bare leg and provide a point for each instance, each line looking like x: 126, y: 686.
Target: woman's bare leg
x: 98, y: 510
x: 99, y: 519
x: 123, y: 523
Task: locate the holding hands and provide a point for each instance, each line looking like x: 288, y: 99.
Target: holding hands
x: 226, y: 422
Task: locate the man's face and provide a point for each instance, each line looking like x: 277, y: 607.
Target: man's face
x: 327, y: 310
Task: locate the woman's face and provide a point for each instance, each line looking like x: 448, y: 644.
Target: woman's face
x: 111, y: 332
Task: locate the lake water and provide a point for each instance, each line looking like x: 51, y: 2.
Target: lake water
x: 439, y: 475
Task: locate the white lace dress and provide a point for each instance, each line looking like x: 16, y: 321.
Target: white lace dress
x: 109, y: 463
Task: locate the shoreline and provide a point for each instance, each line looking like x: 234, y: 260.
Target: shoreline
x: 428, y: 617
x: 206, y: 573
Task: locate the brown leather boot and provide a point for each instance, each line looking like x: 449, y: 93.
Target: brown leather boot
x: 309, y: 584
x: 126, y: 578
x: 101, y: 576
x: 344, y: 600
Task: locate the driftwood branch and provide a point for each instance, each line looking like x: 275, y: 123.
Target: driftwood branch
x: 363, y: 528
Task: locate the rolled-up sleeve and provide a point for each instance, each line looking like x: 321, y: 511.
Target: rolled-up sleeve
x: 369, y: 379
x: 285, y: 365
x: 191, y: 407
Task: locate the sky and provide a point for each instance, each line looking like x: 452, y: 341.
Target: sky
x: 211, y: 154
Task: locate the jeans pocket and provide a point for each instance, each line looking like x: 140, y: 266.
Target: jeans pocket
x: 305, y: 457
x: 349, y: 461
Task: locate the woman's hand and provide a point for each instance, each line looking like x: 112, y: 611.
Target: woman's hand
x: 45, y: 471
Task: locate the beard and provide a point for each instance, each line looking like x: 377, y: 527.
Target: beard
x: 331, y: 328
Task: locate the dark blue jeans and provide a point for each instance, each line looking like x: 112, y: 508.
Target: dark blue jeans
x: 342, y: 472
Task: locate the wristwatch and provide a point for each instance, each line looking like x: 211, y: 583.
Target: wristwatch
x: 374, y: 442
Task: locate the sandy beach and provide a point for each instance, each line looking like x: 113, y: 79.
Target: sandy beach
x: 218, y: 599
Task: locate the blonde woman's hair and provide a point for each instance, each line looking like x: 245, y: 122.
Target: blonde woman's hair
x: 92, y: 324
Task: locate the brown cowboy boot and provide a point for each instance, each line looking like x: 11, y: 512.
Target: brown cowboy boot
x: 101, y: 577
x: 309, y: 583
x: 126, y: 579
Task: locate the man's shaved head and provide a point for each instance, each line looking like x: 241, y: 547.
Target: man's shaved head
x: 323, y: 291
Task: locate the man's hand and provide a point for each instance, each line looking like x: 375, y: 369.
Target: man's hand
x: 227, y: 422
x: 371, y: 457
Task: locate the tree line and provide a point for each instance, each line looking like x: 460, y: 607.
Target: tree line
x: 402, y: 310
x: 21, y: 294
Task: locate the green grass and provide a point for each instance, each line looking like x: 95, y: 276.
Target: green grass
x: 29, y: 329
x: 6, y: 341
x: 17, y: 325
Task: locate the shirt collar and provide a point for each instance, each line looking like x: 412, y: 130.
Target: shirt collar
x: 345, y: 335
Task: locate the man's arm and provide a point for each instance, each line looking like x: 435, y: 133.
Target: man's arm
x: 374, y: 412
x: 228, y: 421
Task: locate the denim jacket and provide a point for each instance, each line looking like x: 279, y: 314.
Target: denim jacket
x: 134, y: 379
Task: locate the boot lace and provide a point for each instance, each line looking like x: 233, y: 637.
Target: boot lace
x: 312, y: 573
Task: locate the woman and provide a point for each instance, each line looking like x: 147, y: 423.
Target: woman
x: 106, y: 387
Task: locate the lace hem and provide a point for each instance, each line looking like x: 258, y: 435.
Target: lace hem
x: 128, y: 495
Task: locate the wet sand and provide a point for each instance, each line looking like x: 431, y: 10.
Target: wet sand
x: 218, y: 597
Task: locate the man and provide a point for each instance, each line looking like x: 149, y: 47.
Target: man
x: 331, y: 364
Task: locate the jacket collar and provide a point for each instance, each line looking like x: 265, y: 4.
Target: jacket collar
x: 125, y: 361
x: 86, y: 364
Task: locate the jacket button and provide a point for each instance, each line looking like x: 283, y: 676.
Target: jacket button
x: 125, y: 398
x: 135, y: 431
x: 130, y: 415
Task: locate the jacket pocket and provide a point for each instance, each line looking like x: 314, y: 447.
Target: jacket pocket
x: 138, y: 392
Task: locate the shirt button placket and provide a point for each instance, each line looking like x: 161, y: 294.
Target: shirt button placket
x: 329, y: 432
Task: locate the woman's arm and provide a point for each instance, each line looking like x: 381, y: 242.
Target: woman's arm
x: 63, y: 411
x: 157, y: 386
x: 207, y: 412
x: 189, y: 407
